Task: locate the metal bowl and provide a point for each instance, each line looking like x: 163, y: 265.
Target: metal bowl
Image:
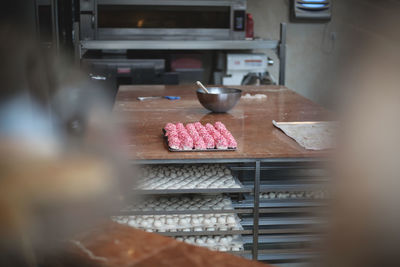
x: 219, y: 99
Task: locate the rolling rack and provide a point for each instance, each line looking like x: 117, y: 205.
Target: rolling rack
x: 279, y: 231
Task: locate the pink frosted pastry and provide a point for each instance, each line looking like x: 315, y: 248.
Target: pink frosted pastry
x: 210, y: 128
x: 186, y: 142
x: 173, y: 142
x: 190, y: 126
x: 202, y: 131
x: 220, y: 142
x: 198, y: 125
x: 231, y: 141
x: 172, y: 133
x: 209, y: 141
x: 191, y: 129
x: 212, y: 131
x: 225, y: 133
x: 207, y: 138
x: 170, y: 127
x: 184, y: 137
x: 199, y: 143
x: 180, y: 127
x: 219, y: 126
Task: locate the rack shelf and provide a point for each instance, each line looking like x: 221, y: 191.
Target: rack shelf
x: 287, y: 238
x: 289, y: 254
x: 281, y: 203
x: 176, y: 212
x: 198, y: 233
x: 180, y: 44
x: 194, y: 191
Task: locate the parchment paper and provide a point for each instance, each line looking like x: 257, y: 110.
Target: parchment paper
x: 310, y: 135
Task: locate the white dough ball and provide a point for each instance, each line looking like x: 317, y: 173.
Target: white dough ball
x: 222, y: 220
x: 230, y: 219
x: 199, y: 241
x: 157, y: 224
x: 207, y: 222
x: 210, y: 241
x: 183, y: 222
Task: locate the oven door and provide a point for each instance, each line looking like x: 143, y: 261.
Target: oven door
x: 162, y: 20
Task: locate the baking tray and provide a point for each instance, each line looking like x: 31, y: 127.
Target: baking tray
x: 195, y: 150
x: 240, y: 189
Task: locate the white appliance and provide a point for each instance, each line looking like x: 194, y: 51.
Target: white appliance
x: 240, y: 65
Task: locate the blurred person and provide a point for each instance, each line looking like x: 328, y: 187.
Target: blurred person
x: 61, y: 170
x: 365, y: 216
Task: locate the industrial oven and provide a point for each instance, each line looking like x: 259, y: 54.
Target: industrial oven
x: 162, y: 19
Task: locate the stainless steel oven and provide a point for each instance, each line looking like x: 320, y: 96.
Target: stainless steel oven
x: 162, y: 19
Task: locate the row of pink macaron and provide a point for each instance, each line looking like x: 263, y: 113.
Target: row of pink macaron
x: 200, y: 137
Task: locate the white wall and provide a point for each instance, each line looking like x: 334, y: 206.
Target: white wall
x: 317, y: 52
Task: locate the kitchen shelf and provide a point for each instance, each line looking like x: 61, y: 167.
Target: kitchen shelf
x: 194, y: 191
x: 241, y: 253
x: 180, y: 44
x: 274, y: 204
x: 286, y: 238
x: 288, y: 254
x: 284, y: 221
x: 293, y: 187
x: 290, y: 230
x: 278, y: 255
x: 177, y: 212
x: 200, y: 233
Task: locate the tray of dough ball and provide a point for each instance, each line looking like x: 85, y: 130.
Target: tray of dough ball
x: 302, y: 195
x: 181, y: 204
x: 182, y: 222
x: 216, y: 242
x: 281, y: 199
x: 205, y: 176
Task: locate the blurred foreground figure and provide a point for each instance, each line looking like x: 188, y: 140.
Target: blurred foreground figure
x: 60, y: 171
x: 365, y: 222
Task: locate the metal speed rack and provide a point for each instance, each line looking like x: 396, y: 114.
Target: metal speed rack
x: 274, y: 230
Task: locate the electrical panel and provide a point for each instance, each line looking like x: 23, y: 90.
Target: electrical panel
x: 311, y: 10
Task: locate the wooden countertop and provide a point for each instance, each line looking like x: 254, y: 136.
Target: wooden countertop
x: 117, y: 245
x: 250, y: 122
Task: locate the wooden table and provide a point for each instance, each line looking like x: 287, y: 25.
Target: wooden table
x: 117, y: 245
x: 261, y: 146
x: 250, y: 122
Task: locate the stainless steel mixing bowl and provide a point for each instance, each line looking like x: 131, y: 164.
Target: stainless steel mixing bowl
x: 219, y: 99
